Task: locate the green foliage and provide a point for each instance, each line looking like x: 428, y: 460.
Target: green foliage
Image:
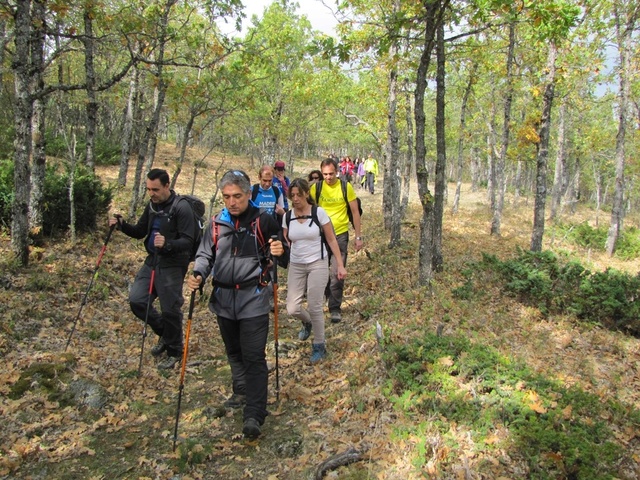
x: 92, y: 199
x: 6, y: 192
x: 586, y: 236
x: 541, y: 279
x: 554, y: 428
x: 107, y: 151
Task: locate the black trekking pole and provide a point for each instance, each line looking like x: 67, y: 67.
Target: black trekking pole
x: 275, y: 319
x: 146, y: 315
x: 93, y: 277
x: 185, y: 352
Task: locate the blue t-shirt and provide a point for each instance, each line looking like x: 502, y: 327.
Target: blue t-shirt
x: 266, y: 200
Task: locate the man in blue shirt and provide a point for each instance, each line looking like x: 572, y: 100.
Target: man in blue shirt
x: 266, y: 196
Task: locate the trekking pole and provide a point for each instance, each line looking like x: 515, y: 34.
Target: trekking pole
x: 185, y: 352
x: 275, y: 319
x: 93, y: 277
x: 146, y: 315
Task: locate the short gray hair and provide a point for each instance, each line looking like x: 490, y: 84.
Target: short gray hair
x: 236, y: 177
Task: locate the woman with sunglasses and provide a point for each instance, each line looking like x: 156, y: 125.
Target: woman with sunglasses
x: 314, y: 176
x: 304, y: 228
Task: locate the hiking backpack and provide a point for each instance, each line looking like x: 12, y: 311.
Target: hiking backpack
x: 255, y: 189
x: 198, y: 209
x: 314, y: 219
x: 343, y: 184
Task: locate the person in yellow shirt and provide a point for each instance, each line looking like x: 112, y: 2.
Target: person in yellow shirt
x: 331, y: 199
x: 371, y: 172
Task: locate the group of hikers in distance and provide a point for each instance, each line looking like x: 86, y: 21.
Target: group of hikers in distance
x: 302, y: 225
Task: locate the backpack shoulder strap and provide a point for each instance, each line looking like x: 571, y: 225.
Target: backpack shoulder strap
x: 254, y: 192
x: 276, y: 191
x: 318, y: 189
x: 344, y: 191
x: 287, y: 218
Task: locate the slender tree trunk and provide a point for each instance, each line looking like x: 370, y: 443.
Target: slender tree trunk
x: 425, y: 250
x: 391, y: 199
x: 186, y: 134
x: 500, y: 180
x: 543, y: 152
x: 409, y: 163
x: 475, y: 169
x: 462, y: 134
x: 92, y: 103
x: 147, y: 148
x: 127, y: 132
x: 441, y: 154
x: 624, y: 32
x: 559, y: 174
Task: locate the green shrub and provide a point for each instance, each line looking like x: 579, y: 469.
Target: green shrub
x: 554, y: 285
x: 452, y: 380
x: 584, y: 235
x: 92, y: 199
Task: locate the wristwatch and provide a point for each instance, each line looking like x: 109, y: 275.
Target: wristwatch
x: 359, y: 238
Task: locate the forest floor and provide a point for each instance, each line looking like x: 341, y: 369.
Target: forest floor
x: 84, y: 413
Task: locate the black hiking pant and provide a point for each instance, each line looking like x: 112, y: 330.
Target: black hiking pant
x: 167, y: 288
x: 245, y: 342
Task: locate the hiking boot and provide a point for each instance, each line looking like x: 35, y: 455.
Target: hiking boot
x: 251, y: 428
x: 305, y: 331
x: 236, y: 400
x: 318, y: 352
x: 336, y: 317
x: 169, y: 362
x: 159, y: 348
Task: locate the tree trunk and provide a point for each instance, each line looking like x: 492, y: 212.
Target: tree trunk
x: 148, y: 143
x: 624, y: 31
x: 391, y: 176
x: 560, y: 171
x: 183, y: 147
x: 441, y: 154
x: 92, y: 103
x: 425, y: 250
x: 409, y: 163
x: 543, y: 152
x: 23, y: 112
x: 127, y: 132
x: 461, y: 135
x: 500, y: 180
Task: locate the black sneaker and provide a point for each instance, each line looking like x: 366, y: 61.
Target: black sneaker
x: 168, y: 363
x: 236, y: 400
x: 251, y: 428
x: 305, y: 331
x: 159, y: 348
x: 336, y: 317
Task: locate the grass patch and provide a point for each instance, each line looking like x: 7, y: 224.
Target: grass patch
x: 557, y: 431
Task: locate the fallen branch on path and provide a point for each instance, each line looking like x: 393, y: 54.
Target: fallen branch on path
x: 345, y: 458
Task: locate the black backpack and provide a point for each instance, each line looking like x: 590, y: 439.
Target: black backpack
x: 343, y: 183
x: 314, y: 219
x: 198, y: 209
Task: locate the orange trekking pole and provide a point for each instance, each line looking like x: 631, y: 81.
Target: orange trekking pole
x: 93, y: 278
x: 275, y: 319
x: 185, y: 352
